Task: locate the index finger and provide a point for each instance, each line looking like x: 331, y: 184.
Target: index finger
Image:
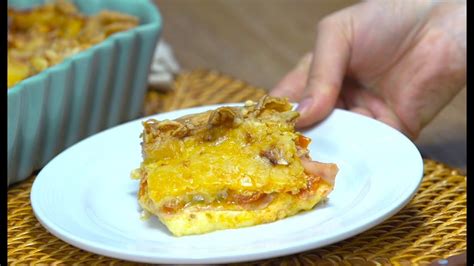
x: 330, y: 59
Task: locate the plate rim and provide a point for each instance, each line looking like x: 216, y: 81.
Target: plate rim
x: 97, y: 248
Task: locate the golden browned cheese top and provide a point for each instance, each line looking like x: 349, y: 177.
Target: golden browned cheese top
x: 242, y: 149
x: 45, y: 35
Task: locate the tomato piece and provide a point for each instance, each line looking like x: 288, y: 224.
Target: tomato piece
x: 303, y: 141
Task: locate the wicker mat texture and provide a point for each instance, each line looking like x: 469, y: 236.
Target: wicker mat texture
x: 432, y: 226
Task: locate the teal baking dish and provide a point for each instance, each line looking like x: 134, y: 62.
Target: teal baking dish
x: 88, y: 92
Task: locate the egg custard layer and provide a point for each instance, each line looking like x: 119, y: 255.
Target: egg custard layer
x: 228, y: 168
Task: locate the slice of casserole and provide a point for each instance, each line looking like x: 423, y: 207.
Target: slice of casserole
x: 228, y: 168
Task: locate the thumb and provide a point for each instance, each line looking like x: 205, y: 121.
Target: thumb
x: 331, y: 56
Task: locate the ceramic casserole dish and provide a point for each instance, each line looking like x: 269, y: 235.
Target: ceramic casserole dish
x: 90, y: 91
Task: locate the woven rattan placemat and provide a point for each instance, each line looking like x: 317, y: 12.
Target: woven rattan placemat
x: 430, y: 227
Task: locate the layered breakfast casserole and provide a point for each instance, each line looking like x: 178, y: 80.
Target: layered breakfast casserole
x: 229, y: 168
x: 47, y: 34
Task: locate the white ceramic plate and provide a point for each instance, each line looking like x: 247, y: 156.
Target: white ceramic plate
x: 85, y: 196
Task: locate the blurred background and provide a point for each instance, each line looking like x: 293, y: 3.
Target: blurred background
x: 260, y: 41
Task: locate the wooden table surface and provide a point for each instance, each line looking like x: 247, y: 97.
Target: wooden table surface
x: 261, y: 40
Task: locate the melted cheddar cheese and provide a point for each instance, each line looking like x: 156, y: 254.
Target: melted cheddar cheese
x: 227, y: 168
x: 232, y: 161
x: 45, y: 35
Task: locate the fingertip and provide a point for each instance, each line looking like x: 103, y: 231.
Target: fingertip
x: 314, y: 109
x: 290, y: 86
x: 305, y: 119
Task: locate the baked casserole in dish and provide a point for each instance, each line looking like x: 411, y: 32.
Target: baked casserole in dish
x: 74, y: 68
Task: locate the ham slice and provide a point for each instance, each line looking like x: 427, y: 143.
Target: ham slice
x: 327, y: 171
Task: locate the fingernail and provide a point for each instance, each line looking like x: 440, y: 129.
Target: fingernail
x: 304, y: 105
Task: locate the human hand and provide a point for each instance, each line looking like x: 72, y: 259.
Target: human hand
x: 399, y: 62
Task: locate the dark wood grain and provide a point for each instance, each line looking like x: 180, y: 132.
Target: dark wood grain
x: 259, y: 41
